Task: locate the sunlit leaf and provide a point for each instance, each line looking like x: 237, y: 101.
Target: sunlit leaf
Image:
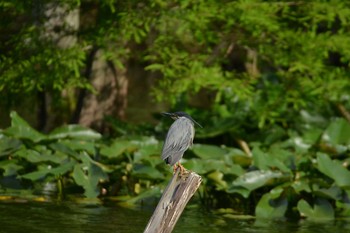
x: 22, y: 130
x: 74, y: 132
x: 217, y: 178
x: 255, y: 179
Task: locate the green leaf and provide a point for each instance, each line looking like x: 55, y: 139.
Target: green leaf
x: 334, y: 170
x: 146, y: 152
x: 322, y: 209
x: 333, y: 192
x: 36, y: 175
x: 88, y: 175
x: 10, y: 167
x: 208, y: 151
x: 34, y: 156
x: 151, y: 193
x: 47, y: 170
x: 301, y: 185
x: 272, y: 205
x: 255, y: 179
x: 117, y: 148
x: 61, y: 147
x: 80, y: 145
x: 22, y: 130
x: 154, y: 67
x: 217, y: 178
x: 8, y: 145
x: 265, y: 161
x: 338, y: 132
x: 204, y: 166
x: 74, y: 132
x: 344, y: 208
x: 147, y: 172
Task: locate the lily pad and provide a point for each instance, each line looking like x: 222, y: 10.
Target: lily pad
x: 74, y: 132
x: 322, y: 209
x: 208, y: 151
x: 88, y: 175
x: 272, y: 205
x: 117, y: 148
x: 254, y: 180
x: 334, y: 170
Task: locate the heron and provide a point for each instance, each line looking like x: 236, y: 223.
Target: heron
x: 178, y: 139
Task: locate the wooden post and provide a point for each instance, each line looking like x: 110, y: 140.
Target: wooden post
x: 173, y: 201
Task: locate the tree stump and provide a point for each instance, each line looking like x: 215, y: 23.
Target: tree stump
x: 173, y: 201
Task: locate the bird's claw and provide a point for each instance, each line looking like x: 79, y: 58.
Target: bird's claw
x: 182, y: 168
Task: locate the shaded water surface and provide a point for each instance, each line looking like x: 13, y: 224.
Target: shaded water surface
x: 71, y: 217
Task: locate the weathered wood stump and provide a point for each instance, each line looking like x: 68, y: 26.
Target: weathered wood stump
x: 173, y: 201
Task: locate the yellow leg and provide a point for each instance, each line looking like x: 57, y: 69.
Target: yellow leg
x: 182, y: 169
x: 175, y: 168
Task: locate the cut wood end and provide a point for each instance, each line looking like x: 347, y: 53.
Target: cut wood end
x: 186, y: 174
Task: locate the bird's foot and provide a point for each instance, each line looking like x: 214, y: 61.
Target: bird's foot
x: 175, y: 168
x: 182, y: 168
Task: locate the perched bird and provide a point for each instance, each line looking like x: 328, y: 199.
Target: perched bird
x: 178, y: 139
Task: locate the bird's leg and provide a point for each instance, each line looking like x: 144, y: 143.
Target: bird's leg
x: 182, y: 169
x: 175, y: 168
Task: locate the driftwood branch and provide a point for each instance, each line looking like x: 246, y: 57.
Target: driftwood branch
x: 175, y: 197
x: 345, y: 113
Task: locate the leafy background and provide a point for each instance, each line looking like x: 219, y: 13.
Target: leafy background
x: 268, y: 80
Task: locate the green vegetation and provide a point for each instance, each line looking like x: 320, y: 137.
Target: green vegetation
x: 298, y: 174
x: 275, y: 76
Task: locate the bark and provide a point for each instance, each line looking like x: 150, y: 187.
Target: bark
x: 174, y: 200
x: 110, y: 97
x: 83, y: 92
x: 60, y: 25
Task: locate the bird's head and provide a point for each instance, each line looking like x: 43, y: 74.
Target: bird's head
x: 177, y: 115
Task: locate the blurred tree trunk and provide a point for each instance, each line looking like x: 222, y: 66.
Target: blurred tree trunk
x: 60, y: 24
x: 110, y: 99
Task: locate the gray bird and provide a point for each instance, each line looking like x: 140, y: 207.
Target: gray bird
x: 178, y: 139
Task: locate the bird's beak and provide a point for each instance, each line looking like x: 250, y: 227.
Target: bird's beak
x: 172, y: 115
x: 197, y: 123
x: 167, y: 114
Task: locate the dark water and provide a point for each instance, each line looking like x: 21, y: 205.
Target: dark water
x: 69, y: 217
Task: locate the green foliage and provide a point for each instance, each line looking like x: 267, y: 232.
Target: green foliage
x: 277, y: 73
x: 297, y: 53
x: 305, y: 175
x: 63, y: 154
x: 300, y: 50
